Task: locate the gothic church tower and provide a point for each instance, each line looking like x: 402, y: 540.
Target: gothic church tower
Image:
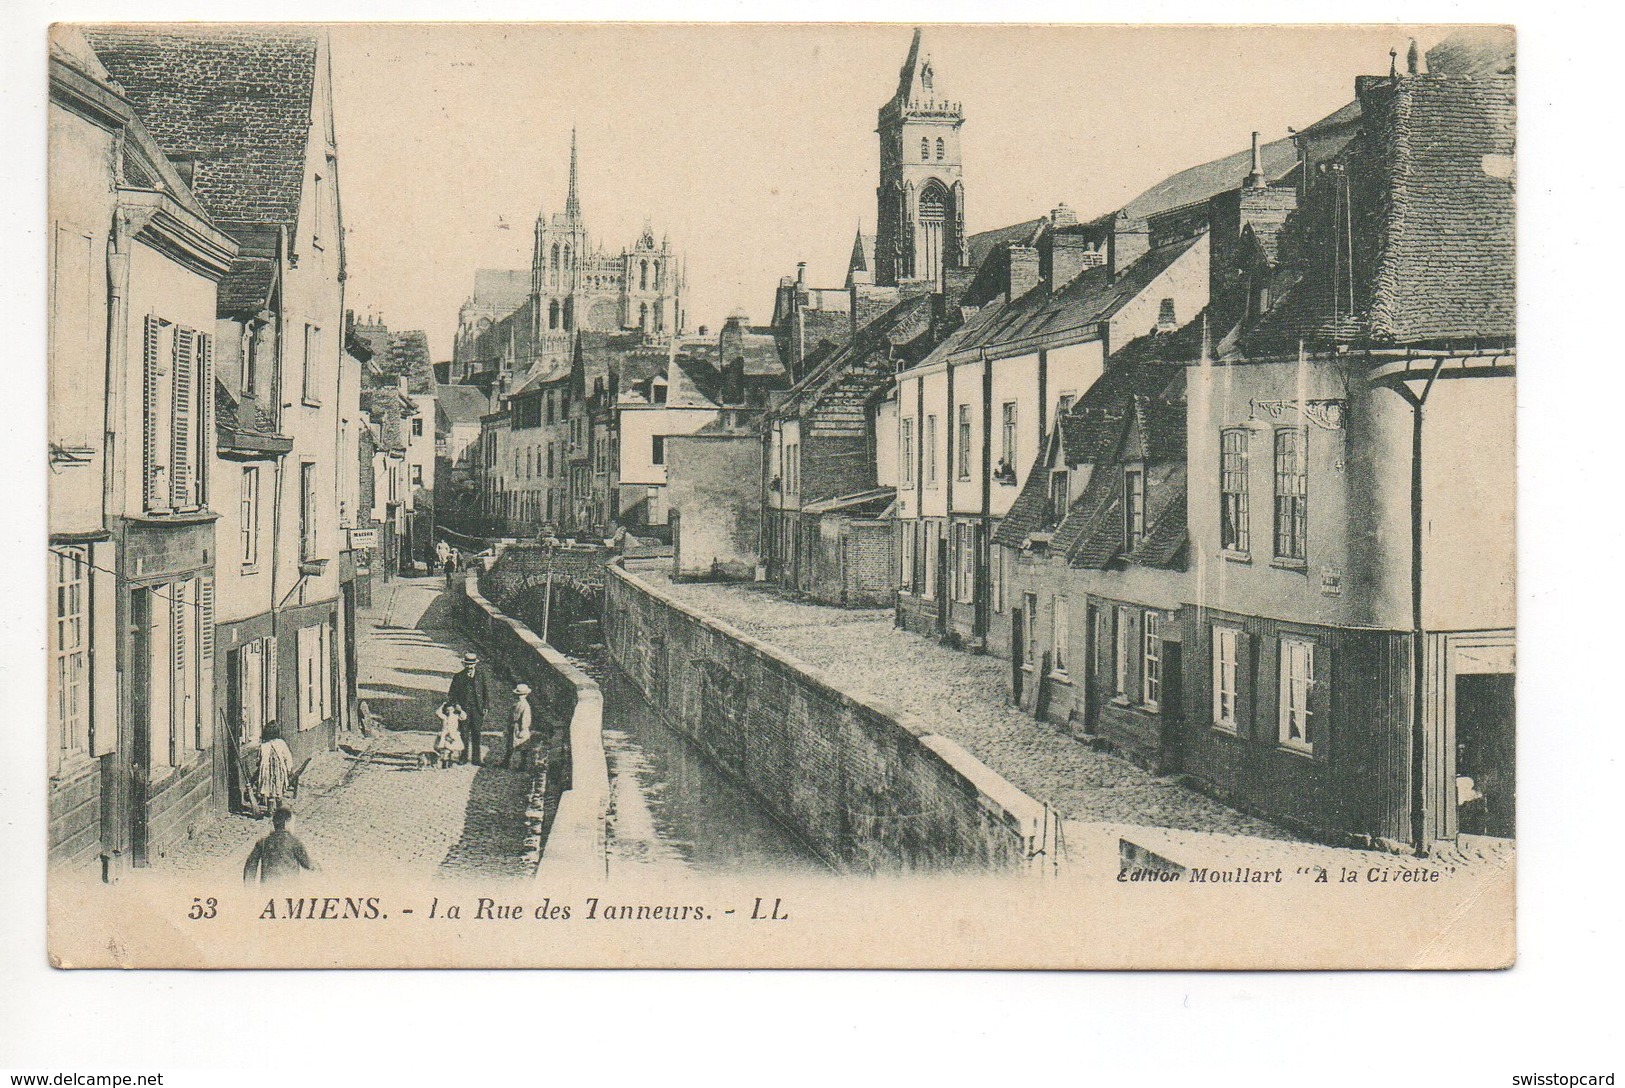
x: 920, y: 224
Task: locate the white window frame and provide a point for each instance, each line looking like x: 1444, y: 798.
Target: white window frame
x: 315, y: 671
x: 1297, y: 679
x: 962, y: 469
x: 995, y: 576
x: 71, y: 674
x: 906, y: 432
x: 1151, y: 659
x: 930, y: 440
x: 1029, y: 602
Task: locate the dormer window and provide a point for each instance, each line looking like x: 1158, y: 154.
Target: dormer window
x: 1058, y: 498
x: 1133, y: 507
x: 1167, y: 316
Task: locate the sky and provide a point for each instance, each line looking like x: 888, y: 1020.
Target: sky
x: 753, y: 147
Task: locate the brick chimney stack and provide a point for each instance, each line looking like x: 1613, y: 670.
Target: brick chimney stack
x: 1255, y: 176
x: 1023, y: 270
x: 1131, y: 240
x: 1070, y: 255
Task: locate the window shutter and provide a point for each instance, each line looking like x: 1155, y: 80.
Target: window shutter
x: 203, y: 422
x: 1246, y: 690
x: 180, y: 435
x: 1136, y: 655
x: 324, y: 666
x: 149, y: 413
x: 205, y: 661
x: 1320, y: 702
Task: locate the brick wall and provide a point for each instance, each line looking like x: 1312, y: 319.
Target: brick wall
x: 869, y: 563
x: 864, y: 786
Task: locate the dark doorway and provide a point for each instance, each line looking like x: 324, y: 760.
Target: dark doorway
x: 1018, y: 648
x: 1485, y: 741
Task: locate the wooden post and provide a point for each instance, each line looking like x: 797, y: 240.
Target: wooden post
x: 547, y: 607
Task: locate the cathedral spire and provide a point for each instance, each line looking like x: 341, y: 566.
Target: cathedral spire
x: 572, y: 205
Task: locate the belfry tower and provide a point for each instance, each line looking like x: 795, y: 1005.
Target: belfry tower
x: 920, y: 222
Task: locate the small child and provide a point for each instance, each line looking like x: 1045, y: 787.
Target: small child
x: 449, y: 744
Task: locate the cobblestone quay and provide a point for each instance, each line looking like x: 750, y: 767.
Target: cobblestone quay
x: 372, y: 807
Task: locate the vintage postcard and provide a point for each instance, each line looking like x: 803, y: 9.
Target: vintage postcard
x: 675, y: 495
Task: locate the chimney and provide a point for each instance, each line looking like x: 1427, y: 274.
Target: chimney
x: 1063, y: 216
x: 1255, y: 176
x: 1023, y: 270
x: 1071, y: 254
x: 1131, y: 240
x: 1413, y: 60
x: 801, y: 273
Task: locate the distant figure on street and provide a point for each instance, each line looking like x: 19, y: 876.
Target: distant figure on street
x: 448, y: 563
x: 449, y: 744
x: 441, y: 551
x: 276, y: 768
x: 519, y: 752
x: 470, y: 690
x: 278, y: 856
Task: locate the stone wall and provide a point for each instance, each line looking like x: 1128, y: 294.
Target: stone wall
x: 866, y: 787
x: 577, y: 768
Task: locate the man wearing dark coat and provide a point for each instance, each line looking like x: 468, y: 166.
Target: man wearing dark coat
x: 470, y: 690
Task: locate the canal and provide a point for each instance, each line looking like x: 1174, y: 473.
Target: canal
x: 671, y: 808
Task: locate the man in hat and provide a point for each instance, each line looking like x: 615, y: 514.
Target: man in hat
x: 519, y: 729
x: 469, y: 691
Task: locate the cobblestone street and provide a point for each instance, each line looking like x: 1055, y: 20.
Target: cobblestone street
x: 372, y: 803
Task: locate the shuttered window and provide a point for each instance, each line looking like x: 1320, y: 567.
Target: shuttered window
x: 1226, y: 679
x: 315, y: 657
x: 177, y: 384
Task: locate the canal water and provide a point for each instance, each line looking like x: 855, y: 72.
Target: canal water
x: 671, y: 808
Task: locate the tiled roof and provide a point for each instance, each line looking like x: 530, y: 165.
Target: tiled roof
x: 461, y: 403
x: 1026, y: 514
x: 246, y: 286
x: 1073, y: 311
x: 236, y: 103
x: 1211, y: 178
x: 990, y: 241
x: 243, y: 416
x: 902, y: 331
x: 1430, y: 179
x: 409, y: 358
x: 1165, y: 541
x: 1448, y: 267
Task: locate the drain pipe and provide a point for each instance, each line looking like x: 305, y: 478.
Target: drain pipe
x: 1419, y: 836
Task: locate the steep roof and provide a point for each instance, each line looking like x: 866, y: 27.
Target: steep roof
x: 462, y: 404
x: 502, y: 289
x: 409, y: 358
x: 235, y: 103
x: 1211, y: 178
x: 1094, y: 296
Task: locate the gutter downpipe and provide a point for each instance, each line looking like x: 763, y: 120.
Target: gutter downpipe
x: 1419, y: 836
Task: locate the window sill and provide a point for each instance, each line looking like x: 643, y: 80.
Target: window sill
x: 1121, y: 700
x: 1226, y: 730
x: 1289, y: 564
x: 248, y: 568
x: 1061, y: 678
x: 310, y: 402
x: 1294, y: 750
x: 74, y: 764
x: 1232, y: 556
x: 1026, y: 668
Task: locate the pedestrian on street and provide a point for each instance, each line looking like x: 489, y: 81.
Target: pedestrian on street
x: 519, y: 752
x: 470, y: 690
x: 448, y: 563
x: 276, y: 768
x: 441, y: 550
x: 449, y: 744
x: 279, y: 855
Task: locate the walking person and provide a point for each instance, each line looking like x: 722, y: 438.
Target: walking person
x: 448, y: 563
x: 471, y: 691
x: 279, y: 855
x: 519, y: 736
x: 276, y: 768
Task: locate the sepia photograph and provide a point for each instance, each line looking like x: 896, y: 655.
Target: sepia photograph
x: 713, y: 495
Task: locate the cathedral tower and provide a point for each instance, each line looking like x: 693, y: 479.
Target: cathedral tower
x: 920, y: 223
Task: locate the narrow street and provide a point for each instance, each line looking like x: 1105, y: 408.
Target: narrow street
x: 373, y: 799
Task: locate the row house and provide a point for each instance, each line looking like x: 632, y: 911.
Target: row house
x: 135, y: 264
x: 1331, y: 642
x: 224, y: 270
x: 458, y: 409
x: 390, y: 412
x: 974, y: 414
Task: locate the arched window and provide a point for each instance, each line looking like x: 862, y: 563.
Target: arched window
x: 643, y: 316
x: 933, y: 226
x: 643, y: 276
x: 659, y: 317
x: 925, y: 149
x: 657, y: 275
x: 566, y: 257
x: 942, y: 149
x: 555, y: 256
x: 553, y: 314
x: 569, y: 313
